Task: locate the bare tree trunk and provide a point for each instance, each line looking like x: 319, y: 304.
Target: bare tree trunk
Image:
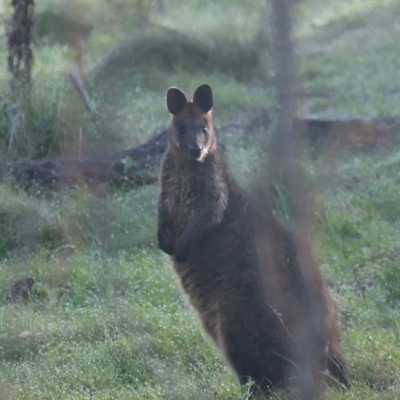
x: 20, y: 56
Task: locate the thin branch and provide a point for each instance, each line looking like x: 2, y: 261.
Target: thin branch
x: 80, y: 87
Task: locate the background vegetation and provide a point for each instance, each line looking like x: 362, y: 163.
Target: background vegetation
x: 105, y: 319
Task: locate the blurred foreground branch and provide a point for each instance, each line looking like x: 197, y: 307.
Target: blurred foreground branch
x: 284, y: 169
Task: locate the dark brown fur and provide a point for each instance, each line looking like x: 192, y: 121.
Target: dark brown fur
x: 273, y: 322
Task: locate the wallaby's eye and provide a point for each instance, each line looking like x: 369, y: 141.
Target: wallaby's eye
x: 204, y: 129
x: 181, y: 130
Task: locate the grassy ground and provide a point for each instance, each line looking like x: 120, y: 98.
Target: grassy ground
x: 106, y: 320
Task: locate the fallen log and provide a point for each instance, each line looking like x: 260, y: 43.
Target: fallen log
x: 129, y: 167
x: 138, y: 166
x: 363, y: 133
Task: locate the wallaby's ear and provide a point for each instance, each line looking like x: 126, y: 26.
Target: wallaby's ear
x: 203, y: 98
x: 176, y: 100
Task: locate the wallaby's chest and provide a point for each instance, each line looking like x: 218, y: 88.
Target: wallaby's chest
x: 188, y: 189
x: 184, y: 191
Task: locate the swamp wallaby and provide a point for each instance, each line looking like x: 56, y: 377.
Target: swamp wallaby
x: 274, y: 323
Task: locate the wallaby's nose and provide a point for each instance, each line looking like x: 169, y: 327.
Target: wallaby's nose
x: 195, y: 152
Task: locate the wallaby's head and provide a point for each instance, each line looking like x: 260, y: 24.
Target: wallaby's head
x: 192, y: 133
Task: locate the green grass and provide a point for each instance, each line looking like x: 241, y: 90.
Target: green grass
x: 107, y: 319
x: 351, y: 56
x: 125, y: 329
